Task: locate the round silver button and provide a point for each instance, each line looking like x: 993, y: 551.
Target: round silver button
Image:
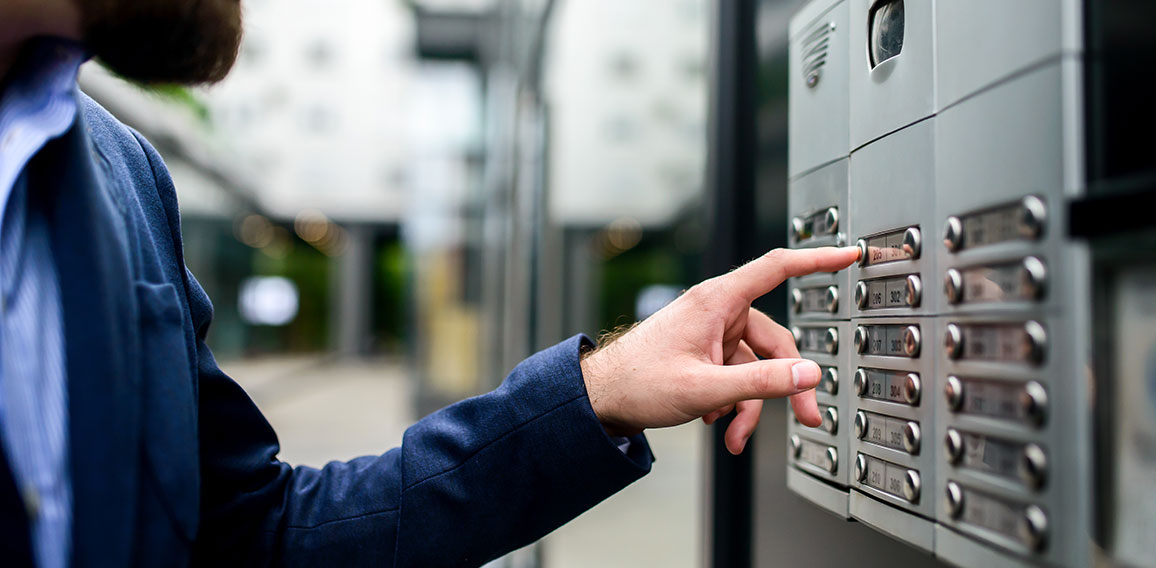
x: 830, y: 382
x: 860, y: 424
x: 797, y: 228
x: 863, y: 251
x: 831, y: 341
x: 832, y: 299
x: 860, y: 381
x: 912, y: 242
x: 953, y: 341
x: 797, y: 300
x: 861, y: 294
x: 914, y: 291
x: 953, y: 234
x: 798, y: 334
x: 912, y: 438
x: 832, y: 460
x: 954, y: 391
x: 912, y: 486
x: 1034, y: 527
x: 1033, y: 217
x: 912, y: 341
x: 1035, y: 278
x: 1034, y: 466
x: 912, y: 389
x: 831, y: 218
x: 1034, y: 402
x: 861, y: 339
x: 831, y: 420
x: 954, y: 445
x: 860, y: 468
x: 954, y: 500
x: 796, y: 446
x: 953, y: 286
x: 1036, y: 346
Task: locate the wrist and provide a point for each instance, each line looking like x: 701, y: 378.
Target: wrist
x: 598, y: 379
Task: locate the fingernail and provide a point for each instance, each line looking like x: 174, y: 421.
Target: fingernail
x: 805, y: 374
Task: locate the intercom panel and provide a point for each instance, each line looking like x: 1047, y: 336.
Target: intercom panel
x: 1015, y: 345
x: 964, y: 411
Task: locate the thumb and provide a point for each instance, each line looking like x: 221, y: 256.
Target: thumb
x: 770, y: 378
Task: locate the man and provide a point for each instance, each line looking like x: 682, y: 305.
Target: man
x: 124, y: 444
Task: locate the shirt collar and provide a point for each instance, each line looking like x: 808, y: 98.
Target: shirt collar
x: 38, y: 102
x: 47, y: 66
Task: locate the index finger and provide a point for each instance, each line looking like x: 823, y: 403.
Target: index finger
x: 765, y: 273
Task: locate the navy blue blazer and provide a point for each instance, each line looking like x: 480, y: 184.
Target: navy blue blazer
x: 173, y: 464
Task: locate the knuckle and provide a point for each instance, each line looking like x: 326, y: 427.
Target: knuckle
x: 766, y: 380
x: 776, y: 255
x: 700, y: 293
x: 780, y: 259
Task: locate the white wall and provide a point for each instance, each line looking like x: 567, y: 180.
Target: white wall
x: 626, y: 86
x: 317, y: 106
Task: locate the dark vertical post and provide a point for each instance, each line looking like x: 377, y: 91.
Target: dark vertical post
x: 731, y: 195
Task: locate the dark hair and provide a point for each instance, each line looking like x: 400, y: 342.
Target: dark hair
x: 164, y: 41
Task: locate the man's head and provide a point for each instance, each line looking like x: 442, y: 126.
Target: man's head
x: 163, y: 41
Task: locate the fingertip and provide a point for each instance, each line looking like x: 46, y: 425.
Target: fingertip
x: 805, y: 374
x: 736, y: 444
x: 806, y: 409
x: 854, y: 252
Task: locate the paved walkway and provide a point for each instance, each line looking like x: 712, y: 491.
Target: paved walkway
x: 324, y: 409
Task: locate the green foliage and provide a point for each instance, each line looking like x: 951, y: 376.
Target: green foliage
x: 390, y: 280
x: 625, y: 275
x: 309, y: 269
x: 182, y: 96
x: 177, y: 94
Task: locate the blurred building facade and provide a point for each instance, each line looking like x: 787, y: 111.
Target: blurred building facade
x: 315, y: 106
x: 591, y: 144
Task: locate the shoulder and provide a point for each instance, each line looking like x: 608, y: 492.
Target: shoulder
x: 140, y: 181
x: 130, y: 159
x: 126, y: 152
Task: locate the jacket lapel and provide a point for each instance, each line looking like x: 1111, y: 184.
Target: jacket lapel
x: 101, y: 347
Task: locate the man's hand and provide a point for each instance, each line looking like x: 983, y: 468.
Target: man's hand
x: 697, y: 357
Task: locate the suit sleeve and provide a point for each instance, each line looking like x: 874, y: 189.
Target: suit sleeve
x: 469, y: 483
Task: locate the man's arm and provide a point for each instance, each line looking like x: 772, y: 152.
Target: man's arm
x: 492, y: 473
x: 470, y: 482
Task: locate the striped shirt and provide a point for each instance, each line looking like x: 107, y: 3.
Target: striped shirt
x: 38, y: 103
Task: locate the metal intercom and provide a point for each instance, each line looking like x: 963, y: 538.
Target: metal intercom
x: 945, y: 139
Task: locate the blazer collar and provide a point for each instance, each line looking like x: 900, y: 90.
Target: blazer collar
x: 101, y: 348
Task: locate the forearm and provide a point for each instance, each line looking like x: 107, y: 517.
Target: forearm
x: 502, y: 470
x: 470, y: 482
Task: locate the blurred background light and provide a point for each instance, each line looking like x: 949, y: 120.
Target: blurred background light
x: 268, y: 300
x: 653, y: 298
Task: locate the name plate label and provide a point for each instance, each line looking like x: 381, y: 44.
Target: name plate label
x: 886, y: 385
x: 816, y: 454
x: 1005, y: 342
